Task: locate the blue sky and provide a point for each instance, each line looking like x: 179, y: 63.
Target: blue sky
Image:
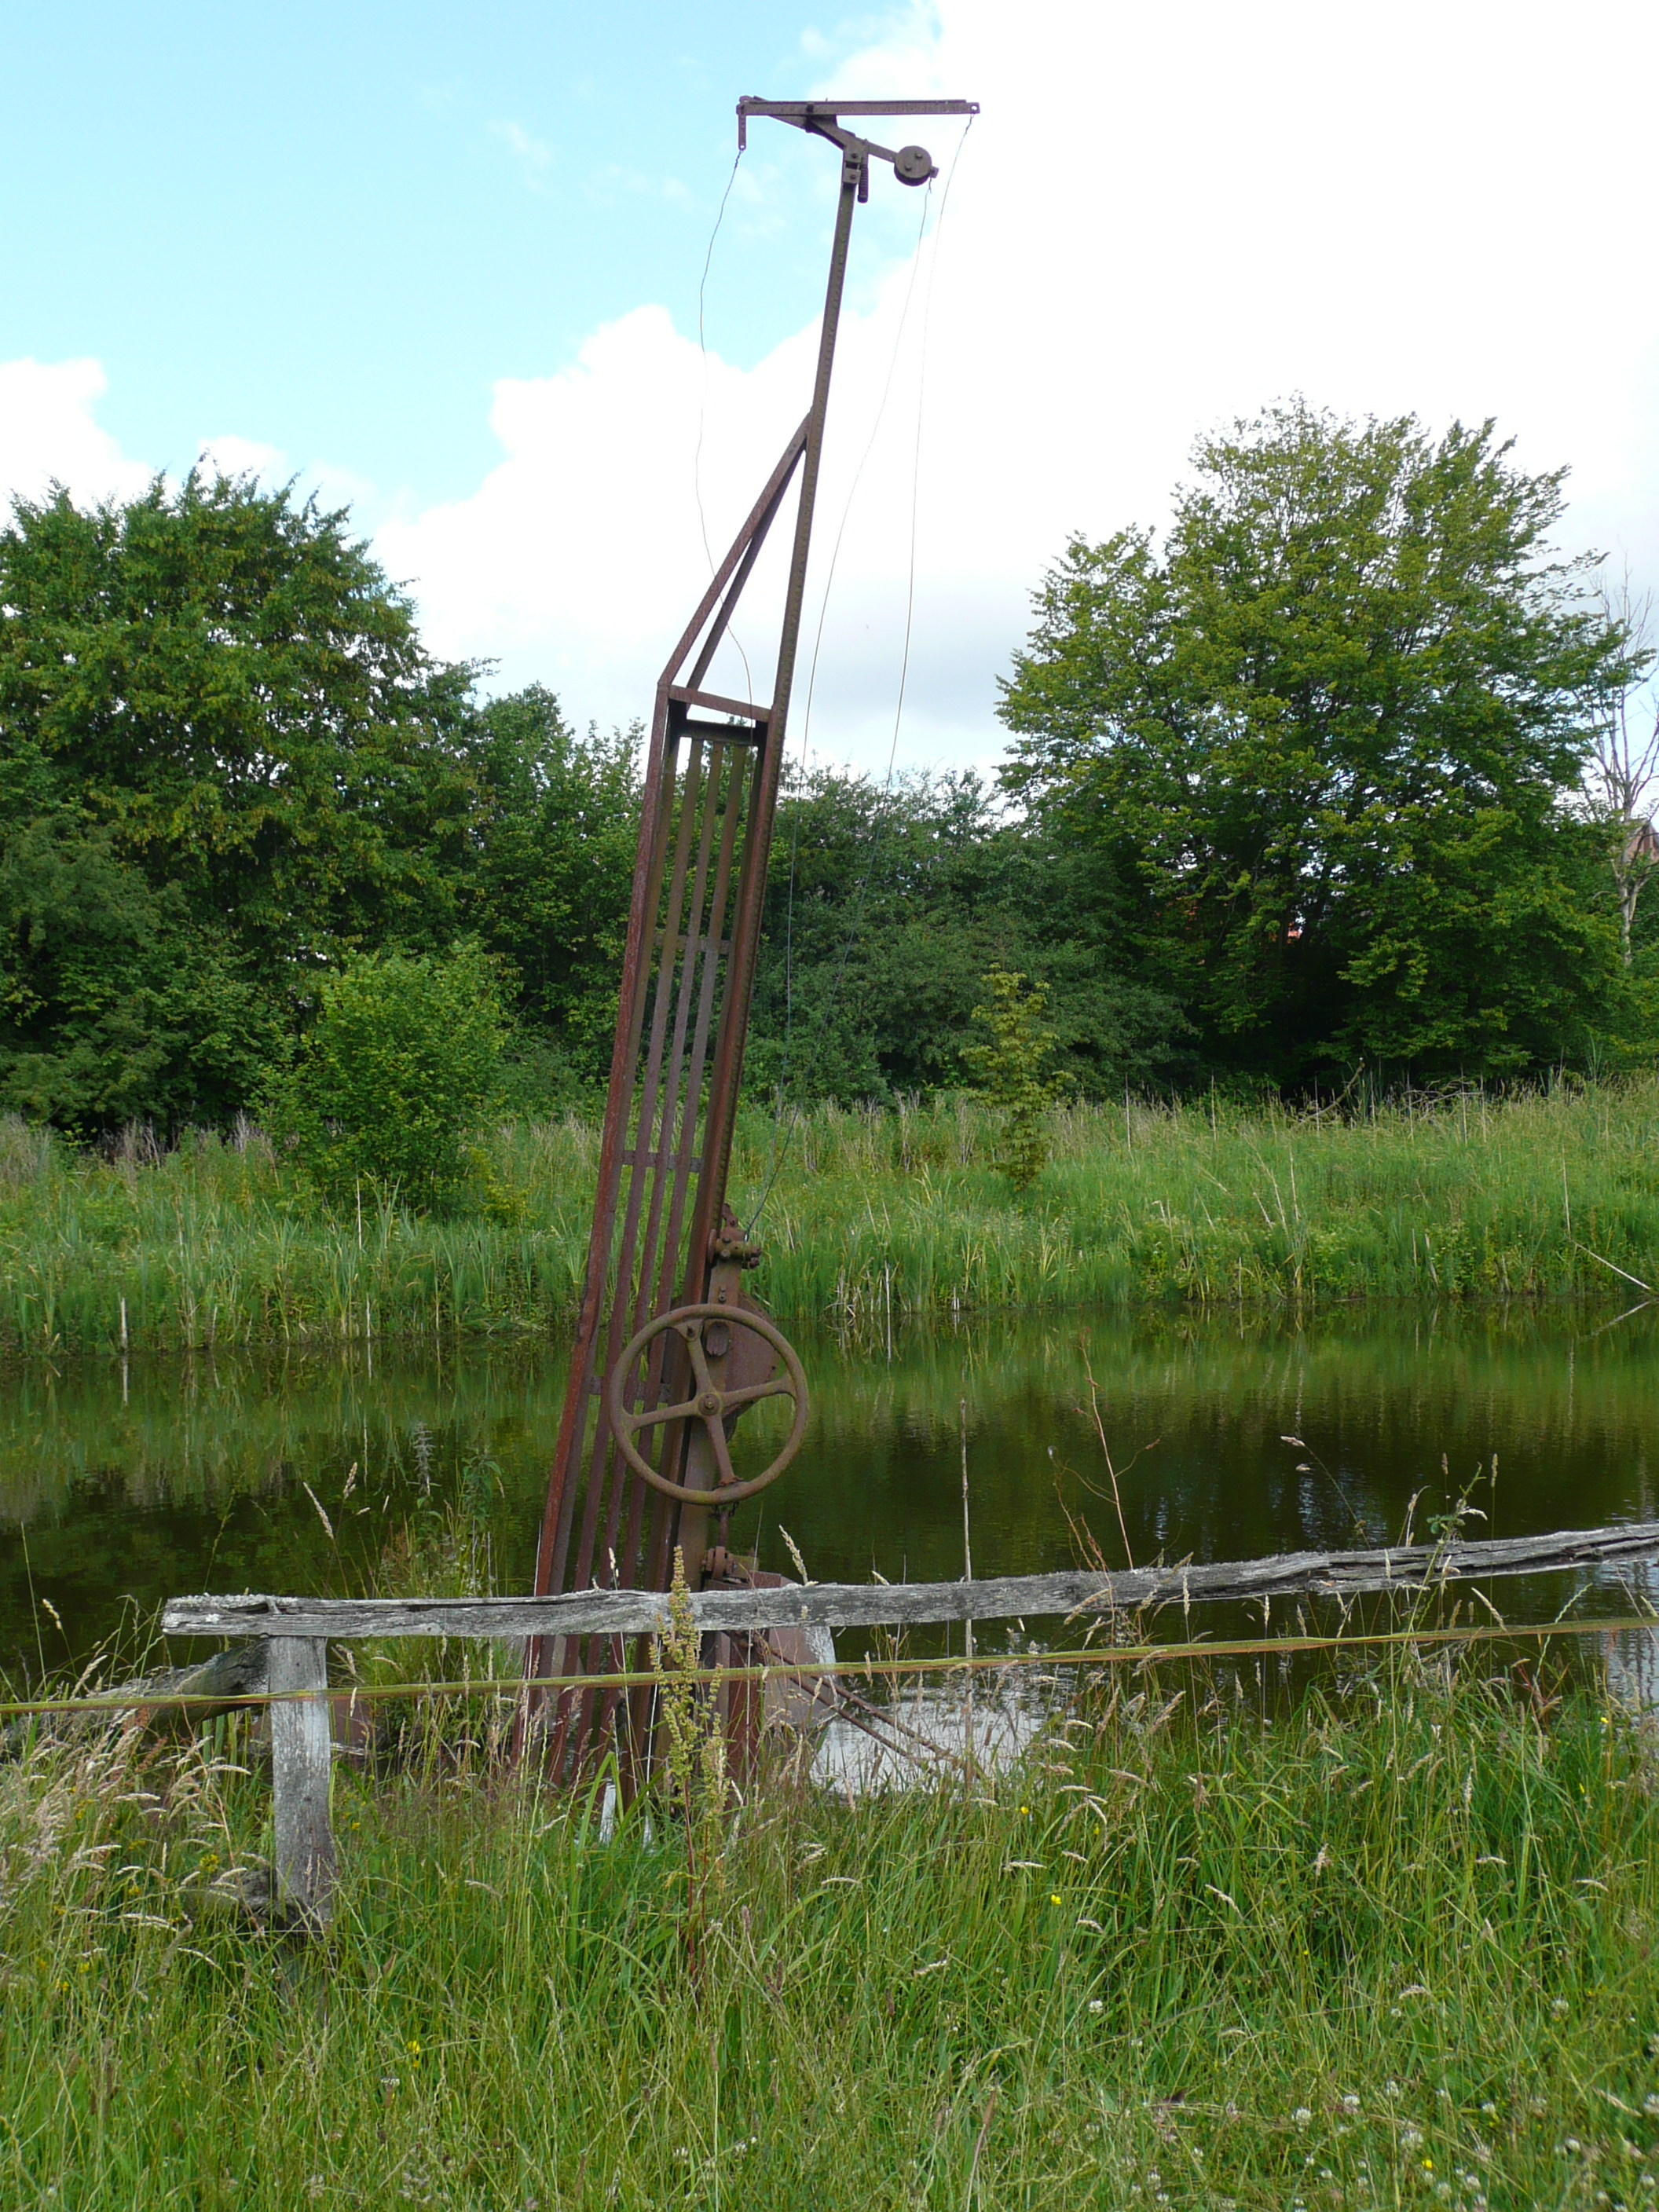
x: 340, y: 224
x: 443, y: 264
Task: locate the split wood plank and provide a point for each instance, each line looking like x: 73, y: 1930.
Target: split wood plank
x: 302, y: 1854
x: 221, y: 1684
x: 872, y: 1604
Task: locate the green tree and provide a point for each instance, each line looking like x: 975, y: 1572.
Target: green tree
x: 1011, y: 1069
x: 885, y: 909
x: 1322, y: 743
x: 117, y: 1006
x: 1621, y: 770
x: 548, y: 891
x: 393, y: 1075
x: 215, y: 708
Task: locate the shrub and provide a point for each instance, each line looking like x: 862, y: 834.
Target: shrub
x: 404, y: 1055
x: 1010, y: 1068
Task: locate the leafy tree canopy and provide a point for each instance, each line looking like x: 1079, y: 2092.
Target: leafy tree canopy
x: 1011, y: 1069
x: 885, y: 909
x: 1324, y: 740
x: 1298, y: 785
x: 228, y: 683
x: 227, y: 764
x: 557, y: 818
x: 214, y: 708
x: 117, y: 1006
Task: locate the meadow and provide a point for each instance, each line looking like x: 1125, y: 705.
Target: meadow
x: 1394, y: 1944
x: 868, y: 1216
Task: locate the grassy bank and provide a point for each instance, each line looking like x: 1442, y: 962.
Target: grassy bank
x: 869, y: 1215
x: 1396, y: 1947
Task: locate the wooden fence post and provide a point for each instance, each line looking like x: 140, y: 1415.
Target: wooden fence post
x: 305, y: 1866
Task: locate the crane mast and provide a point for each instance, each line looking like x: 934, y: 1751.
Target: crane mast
x: 668, y: 1352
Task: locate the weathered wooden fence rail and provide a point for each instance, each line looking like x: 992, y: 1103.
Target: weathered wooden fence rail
x: 296, y: 1632
x: 878, y: 1605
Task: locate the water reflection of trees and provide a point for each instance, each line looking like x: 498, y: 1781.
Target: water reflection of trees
x: 183, y: 1471
x: 208, y: 1428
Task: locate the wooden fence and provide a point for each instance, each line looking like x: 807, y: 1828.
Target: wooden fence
x: 295, y: 1632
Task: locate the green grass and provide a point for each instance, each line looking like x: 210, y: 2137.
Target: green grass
x: 872, y: 1214
x: 1396, y: 1947
x: 215, y: 1244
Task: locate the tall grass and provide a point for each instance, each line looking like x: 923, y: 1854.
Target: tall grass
x: 1213, y: 1205
x: 214, y: 1242
x: 1399, y: 1946
x: 868, y: 1216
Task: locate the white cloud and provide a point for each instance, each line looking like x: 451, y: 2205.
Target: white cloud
x: 231, y: 456
x: 533, y: 156
x: 48, y: 434
x: 584, y: 543
x: 1163, y: 219
x: 331, y: 485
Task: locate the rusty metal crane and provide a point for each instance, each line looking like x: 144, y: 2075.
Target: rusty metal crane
x: 668, y: 1351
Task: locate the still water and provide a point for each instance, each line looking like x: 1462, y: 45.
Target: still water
x: 120, y: 1489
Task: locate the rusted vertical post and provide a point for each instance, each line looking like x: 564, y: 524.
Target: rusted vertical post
x: 746, y: 937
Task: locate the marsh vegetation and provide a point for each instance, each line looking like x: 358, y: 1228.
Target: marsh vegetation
x: 1394, y: 1944
x: 869, y: 1215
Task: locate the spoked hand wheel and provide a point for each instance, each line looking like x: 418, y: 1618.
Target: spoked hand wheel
x: 709, y: 1403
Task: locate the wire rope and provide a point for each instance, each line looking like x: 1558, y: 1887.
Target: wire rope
x: 781, y: 1143
x: 113, y: 1702
x: 702, y: 401
x: 818, y: 642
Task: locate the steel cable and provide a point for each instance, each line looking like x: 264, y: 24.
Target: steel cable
x: 702, y: 403
x: 1117, y: 1655
x: 780, y: 1142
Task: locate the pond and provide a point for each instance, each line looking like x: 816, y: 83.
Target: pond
x: 120, y: 1488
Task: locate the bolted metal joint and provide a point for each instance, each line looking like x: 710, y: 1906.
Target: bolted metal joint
x: 913, y: 165
x: 729, y: 1243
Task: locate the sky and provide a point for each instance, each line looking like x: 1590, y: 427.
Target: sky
x: 447, y: 266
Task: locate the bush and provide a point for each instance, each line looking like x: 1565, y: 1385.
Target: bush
x: 1010, y: 1069
x: 402, y: 1057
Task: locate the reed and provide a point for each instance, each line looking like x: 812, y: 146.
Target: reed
x: 216, y: 1243
x: 867, y: 1215
x: 1394, y: 1945
x: 1452, y: 1197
